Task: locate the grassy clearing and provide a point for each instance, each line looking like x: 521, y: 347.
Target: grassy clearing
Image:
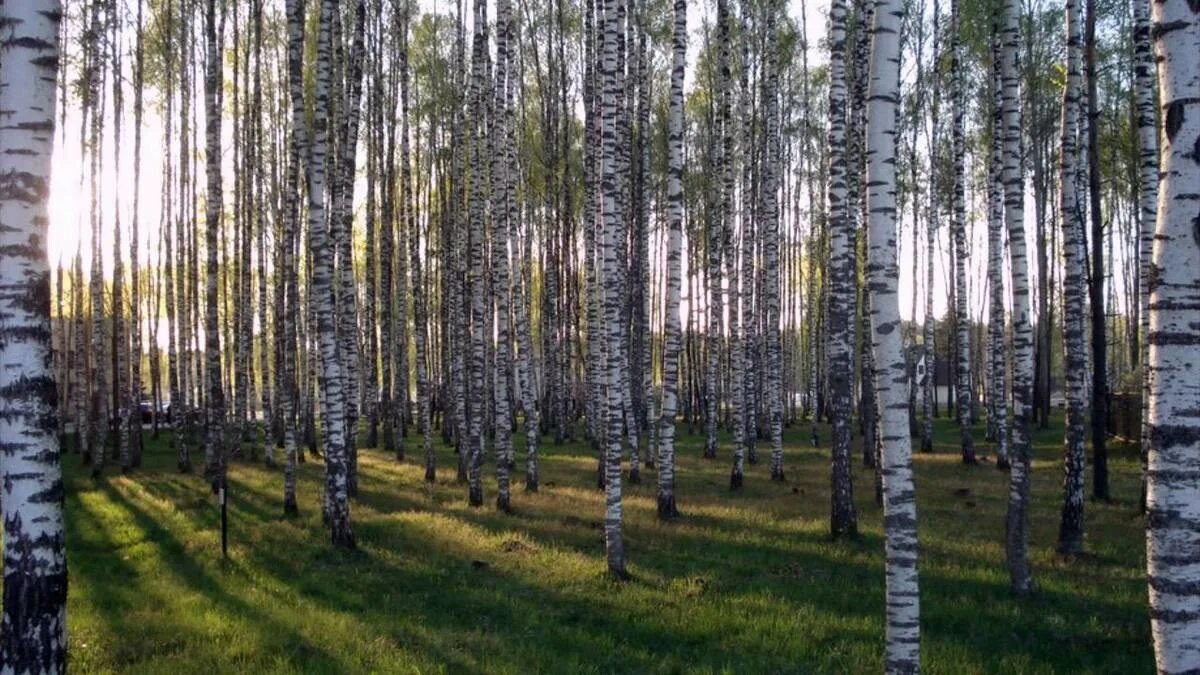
x: 743, y: 583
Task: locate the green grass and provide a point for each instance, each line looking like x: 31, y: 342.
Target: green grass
x: 744, y: 582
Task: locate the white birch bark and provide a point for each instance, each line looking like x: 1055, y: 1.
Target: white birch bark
x: 330, y: 378
x: 1070, y: 532
x: 33, y: 631
x: 612, y: 262
x: 671, y: 333
x: 1017, y: 520
x: 773, y: 379
x: 1173, y: 485
x: 902, y: 651
x: 501, y: 299
x: 998, y: 373
x: 1146, y: 120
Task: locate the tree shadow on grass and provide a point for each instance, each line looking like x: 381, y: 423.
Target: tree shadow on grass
x: 111, y: 578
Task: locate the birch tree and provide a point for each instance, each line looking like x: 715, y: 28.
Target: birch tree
x: 478, y: 292
x: 502, y: 428
x: 998, y: 373
x: 214, y: 452
x: 902, y: 653
x: 929, y: 326
x: 1146, y: 122
x: 958, y: 227
x: 671, y: 307
x: 611, y: 258
x: 843, y: 521
x: 773, y: 393
x: 337, y: 504
x: 289, y: 312
x: 1070, y: 532
x: 1173, y: 495
x: 1017, y: 519
x: 33, y: 625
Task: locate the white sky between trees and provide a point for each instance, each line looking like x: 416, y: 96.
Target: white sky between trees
x: 70, y: 205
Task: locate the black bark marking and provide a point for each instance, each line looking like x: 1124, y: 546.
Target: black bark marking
x: 29, y: 43
x: 1174, y: 615
x: 1162, y: 29
x: 32, y: 637
x: 1166, y: 436
x: 23, y: 186
x: 50, y: 61
x: 1173, y: 120
x: 51, y: 495
x: 40, y: 388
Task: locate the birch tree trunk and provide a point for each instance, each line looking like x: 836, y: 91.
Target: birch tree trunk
x: 266, y: 343
x: 1017, y: 521
x: 962, y: 317
x: 612, y: 262
x: 739, y: 284
x: 1099, y: 318
x: 718, y: 223
x: 1146, y: 119
x: 522, y: 286
x: 902, y: 653
x: 337, y: 504
x: 1070, y: 531
x: 387, y: 255
x: 773, y: 394
x: 501, y: 210
x: 843, y: 521
x: 290, y: 313
x: 998, y: 373
x: 214, y: 451
x: 342, y: 234
x: 1173, y: 495
x: 33, y: 635
x: 477, y: 290
x: 929, y: 327
x: 96, y: 451
x: 671, y: 307
x: 134, y: 413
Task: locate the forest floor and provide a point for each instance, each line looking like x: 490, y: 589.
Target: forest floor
x: 746, y: 583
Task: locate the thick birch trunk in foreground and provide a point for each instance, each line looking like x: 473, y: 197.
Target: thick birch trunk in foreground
x: 33, y: 636
x: 1173, y: 478
x: 902, y: 653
